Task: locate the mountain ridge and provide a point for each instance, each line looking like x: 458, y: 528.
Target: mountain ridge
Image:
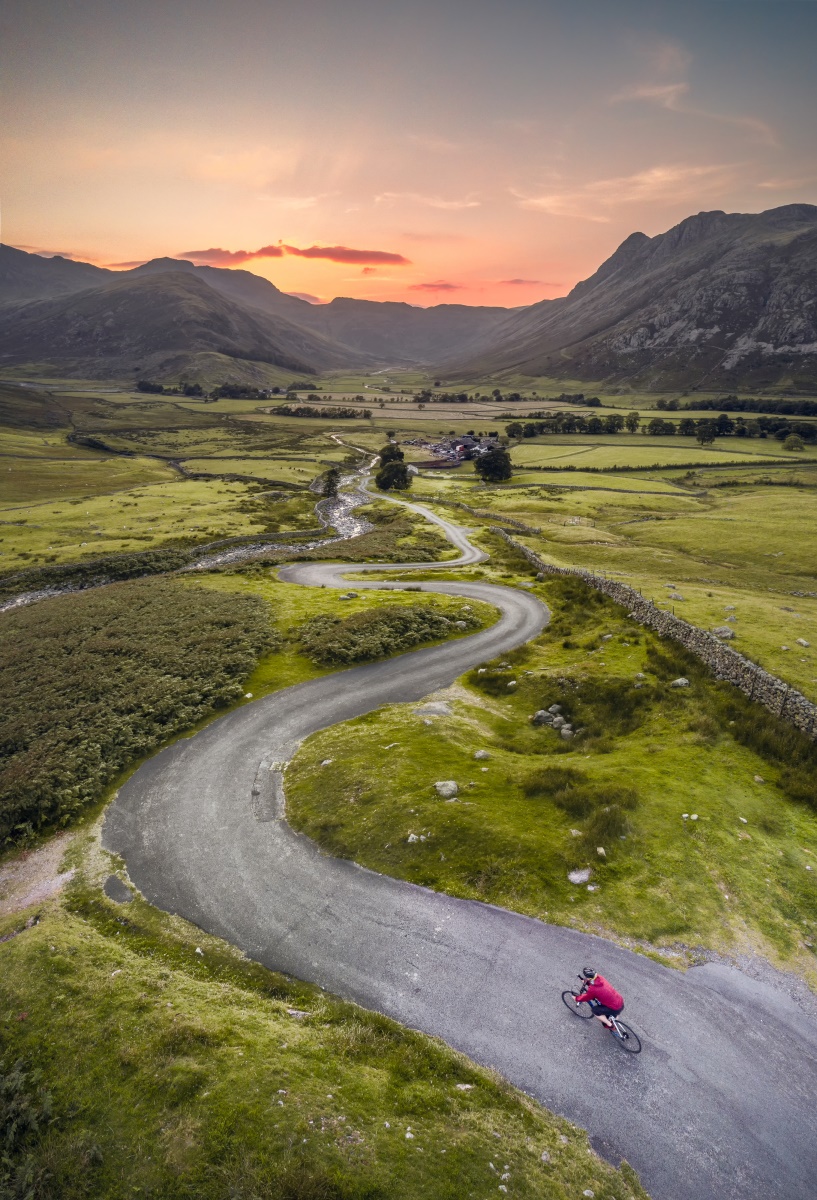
x: 728, y: 298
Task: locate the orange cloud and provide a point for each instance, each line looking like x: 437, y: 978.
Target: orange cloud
x: 437, y: 285
x: 343, y: 254
x: 216, y: 257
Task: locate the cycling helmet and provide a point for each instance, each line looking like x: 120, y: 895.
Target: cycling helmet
x: 589, y: 973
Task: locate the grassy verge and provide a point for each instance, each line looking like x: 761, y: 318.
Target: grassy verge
x: 154, y: 1061
x: 743, y: 874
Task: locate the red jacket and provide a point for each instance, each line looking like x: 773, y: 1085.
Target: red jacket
x: 604, y: 992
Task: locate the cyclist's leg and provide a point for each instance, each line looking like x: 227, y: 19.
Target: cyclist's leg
x: 603, y: 1014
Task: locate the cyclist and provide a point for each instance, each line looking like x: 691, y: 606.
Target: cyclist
x: 601, y: 996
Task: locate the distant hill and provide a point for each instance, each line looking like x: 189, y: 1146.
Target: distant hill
x: 390, y: 332
x: 138, y: 323
x: 722, y: 300
x: 26, y: 276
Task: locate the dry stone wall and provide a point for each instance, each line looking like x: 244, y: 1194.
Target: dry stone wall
x: 726, y: 663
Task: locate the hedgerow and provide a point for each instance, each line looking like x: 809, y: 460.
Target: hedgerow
x: 376, y: 632
x: 94, y: 680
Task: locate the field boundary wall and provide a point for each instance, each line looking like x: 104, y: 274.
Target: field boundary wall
x: 728, y: 664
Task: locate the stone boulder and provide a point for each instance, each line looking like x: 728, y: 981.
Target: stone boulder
x: 481, y: 754
x: 723, y: 632
x: 542, y: 717
x: 447, y: 789
x: 580, y: 876
x: 680, y: 682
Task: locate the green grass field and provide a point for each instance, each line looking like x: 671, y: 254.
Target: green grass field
x: 640, y: 452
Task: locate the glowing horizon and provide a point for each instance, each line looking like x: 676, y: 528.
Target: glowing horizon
x: 428, y: 152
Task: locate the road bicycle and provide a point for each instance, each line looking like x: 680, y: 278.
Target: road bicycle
x: 626, y: 1037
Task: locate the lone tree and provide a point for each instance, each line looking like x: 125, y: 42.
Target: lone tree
x: 390, y: 454
x: 331, y: 480
x: 393, y: 476
x: 705, y: 433
x: 632, y: 421
x: 495, y: 466
x: 793, y: 442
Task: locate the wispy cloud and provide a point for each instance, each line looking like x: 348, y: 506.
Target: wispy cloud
x: 666, y: 183
x: 310, y: 299
x: 128, y: 266
x: 526, y: 283
x: 673, y: 96
x: 436, y: 285
x: 427, y: 201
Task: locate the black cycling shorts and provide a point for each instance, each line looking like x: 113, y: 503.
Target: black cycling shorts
x: 603, y: 1010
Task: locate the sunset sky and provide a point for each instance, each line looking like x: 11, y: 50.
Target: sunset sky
x: 420, y: 150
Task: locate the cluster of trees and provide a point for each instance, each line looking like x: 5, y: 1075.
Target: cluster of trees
x: 306, y: 410
x: 561, y: 422
x: 393, y: 474
x: 704, y: 429
x: 793, y: 408
x: 158, y: 389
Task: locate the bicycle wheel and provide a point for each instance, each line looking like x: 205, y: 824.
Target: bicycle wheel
x: 579, y: 1010
x: 629, y: 1039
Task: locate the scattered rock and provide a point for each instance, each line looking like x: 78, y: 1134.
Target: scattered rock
x: 605, y: 637
x: 116, y: 890
x: 446, y: 788
x: 412, y: 837
x: 675, y: 596
x: 558, y: 722
x: 435, y: 708
x: 481, y: 754
x: 327, y: 762
x: 784, y: 647
x: 803, y: 642
x: 575, y: 833
x: 723, y: 632
x: 555, y: 708
x: 566, y: 732
x: 602, y: 853
x: 464, y: 1087
x: 693, y: 816
x: 729, y: 607
x: 460, y: 624
x: 759, y: 779
x: 743, y: 819
x: 465, y: 608
x: 582, y: 875
x: 544, y: 1157
x: 640, y: 675
x: 298, y: 1013
x: 542, y: 717
x: 248, y: 695
x: 638, y: 685
x: 512, y: 683
x: 682, y: 681
x: 481, y: 670
x: 685, y: 816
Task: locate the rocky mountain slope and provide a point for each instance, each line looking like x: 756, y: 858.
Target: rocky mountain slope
x: 136, y: 325
x: 722, y: 300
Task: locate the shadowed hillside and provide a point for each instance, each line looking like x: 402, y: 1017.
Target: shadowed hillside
x: 135, y: 324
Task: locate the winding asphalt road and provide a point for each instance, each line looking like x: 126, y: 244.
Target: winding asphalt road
x: 721, y: 1103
